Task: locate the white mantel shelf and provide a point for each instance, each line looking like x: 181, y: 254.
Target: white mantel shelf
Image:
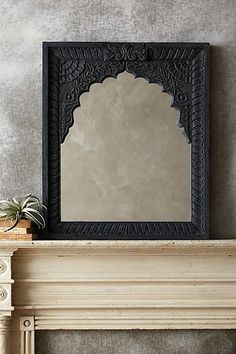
x: 47, y: 285
x: 143, y: 244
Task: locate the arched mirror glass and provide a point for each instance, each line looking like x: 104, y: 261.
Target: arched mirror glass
x: 125, y: 158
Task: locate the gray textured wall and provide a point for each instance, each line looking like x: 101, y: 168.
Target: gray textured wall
x: 26, y: 23
x: 136, y: 342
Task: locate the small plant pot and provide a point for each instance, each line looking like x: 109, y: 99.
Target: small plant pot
x: 23, y: 231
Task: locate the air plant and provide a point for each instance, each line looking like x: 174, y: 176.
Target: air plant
x: 25, y: 207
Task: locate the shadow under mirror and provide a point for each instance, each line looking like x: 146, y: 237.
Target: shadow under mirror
x: 125, y: 158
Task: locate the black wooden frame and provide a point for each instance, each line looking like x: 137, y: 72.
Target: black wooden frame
x: 182, y: 69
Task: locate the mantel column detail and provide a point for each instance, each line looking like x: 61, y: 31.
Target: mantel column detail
x: 6, y: 307
x: 27, y: 335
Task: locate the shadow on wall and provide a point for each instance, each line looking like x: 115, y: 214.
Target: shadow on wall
x: 222, y: 198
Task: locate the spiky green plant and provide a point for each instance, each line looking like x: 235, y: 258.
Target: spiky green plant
x: 25, y: 207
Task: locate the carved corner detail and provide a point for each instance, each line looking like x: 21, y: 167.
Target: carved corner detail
x: 27, y: 329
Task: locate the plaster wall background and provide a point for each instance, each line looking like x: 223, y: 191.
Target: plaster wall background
x: 25, y: 24
x: 136, y: 342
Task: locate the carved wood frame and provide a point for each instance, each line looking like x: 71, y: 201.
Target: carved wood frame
x: 182, y: 69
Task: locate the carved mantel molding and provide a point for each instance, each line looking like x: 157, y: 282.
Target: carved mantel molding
x: 6, y: 307
x: 114, y: 285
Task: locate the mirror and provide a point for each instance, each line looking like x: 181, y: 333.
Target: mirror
x: 116, y: 165
x: 125, y: 158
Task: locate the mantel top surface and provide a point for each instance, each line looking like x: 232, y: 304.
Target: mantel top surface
x: 142, y: 244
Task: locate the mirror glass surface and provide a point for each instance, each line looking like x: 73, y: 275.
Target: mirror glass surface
x: 125, y: 158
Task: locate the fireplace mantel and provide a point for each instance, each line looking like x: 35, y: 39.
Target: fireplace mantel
x: 49, y: 285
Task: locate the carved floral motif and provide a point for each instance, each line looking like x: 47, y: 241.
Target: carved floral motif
x: 168, y: 67
x: 125, y: 52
